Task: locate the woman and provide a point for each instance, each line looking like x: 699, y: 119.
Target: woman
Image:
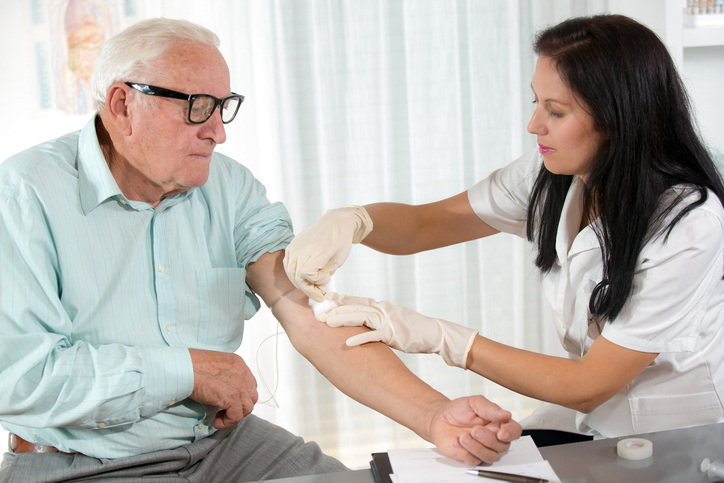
x: 625, y: 207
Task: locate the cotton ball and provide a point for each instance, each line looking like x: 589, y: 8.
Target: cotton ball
x: 322, y: 307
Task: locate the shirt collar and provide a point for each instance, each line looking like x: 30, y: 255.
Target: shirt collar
x: 95, y: 180
x: 569, y: 241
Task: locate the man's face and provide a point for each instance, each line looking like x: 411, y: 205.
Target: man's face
x: 165, y: 153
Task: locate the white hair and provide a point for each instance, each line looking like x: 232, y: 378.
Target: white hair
x: 129, y: 56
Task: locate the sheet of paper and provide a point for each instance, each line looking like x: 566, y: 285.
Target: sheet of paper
x: 541, y: 469
x: 521, y: 451
x: 429, y: 466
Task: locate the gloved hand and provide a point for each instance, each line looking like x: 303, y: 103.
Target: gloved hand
x: 400, y: 328
x: 317, y: 252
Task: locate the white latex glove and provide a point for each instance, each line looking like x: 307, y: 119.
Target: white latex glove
x: 317, y: 252
x: 400, y: 328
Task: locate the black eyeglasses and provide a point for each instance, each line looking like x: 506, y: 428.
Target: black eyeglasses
x: 201, y: 106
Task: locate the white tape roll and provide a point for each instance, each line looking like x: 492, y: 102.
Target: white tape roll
x: 634, y: 448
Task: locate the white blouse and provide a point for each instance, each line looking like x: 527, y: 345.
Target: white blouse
x: 676, y: 309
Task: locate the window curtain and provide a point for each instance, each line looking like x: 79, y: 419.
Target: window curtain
x: 408, y: 101
x: 359, y: 101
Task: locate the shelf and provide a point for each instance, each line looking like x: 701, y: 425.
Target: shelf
x: 702, y: 30
x: 703, y: 36
x: 696, y: 21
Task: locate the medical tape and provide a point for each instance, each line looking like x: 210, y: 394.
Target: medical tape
x: 634, y: 448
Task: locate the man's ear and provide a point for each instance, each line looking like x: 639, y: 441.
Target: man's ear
x: 117, y: 99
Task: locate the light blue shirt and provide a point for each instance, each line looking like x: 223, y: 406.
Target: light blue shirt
x: 101, y: 296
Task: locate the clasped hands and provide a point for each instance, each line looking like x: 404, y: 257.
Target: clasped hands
x: 473, y: 429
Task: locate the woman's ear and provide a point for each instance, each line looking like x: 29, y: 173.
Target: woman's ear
x: 117, y: 98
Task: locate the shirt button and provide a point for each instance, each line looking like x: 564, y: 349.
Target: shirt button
x: 200, y: 426
x: 123, y: 202
x: 168, y: 328
x: 159, y: 267
x: 172, y: 402
x: 101, y: 425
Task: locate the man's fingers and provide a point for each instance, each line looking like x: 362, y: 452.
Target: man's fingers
x: 225, y: 381
x: 509, y: 431
x: 467, y: 450
x: 240, y: 408
x: 222, y: 421
x: 482, y: 445
x: 487, y: 437
x: 490, y: 411
x: 254, y: 395
x: 479, y: 445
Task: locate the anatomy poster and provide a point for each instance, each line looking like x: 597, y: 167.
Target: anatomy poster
x: 68, y: 34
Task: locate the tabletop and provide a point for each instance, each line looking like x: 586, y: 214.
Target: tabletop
x: 676, y: 458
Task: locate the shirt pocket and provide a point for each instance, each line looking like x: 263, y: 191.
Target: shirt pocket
x: 221, y: 307
x: 671, y: 412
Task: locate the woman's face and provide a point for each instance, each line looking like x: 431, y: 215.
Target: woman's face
x: 566, y: 134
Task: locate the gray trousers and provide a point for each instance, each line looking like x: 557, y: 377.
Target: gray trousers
x: 252, y: 450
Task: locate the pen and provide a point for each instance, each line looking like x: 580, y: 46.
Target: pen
x: 496, y: 475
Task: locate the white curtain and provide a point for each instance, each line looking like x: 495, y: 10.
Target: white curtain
x: 358, y: 101
x: 352, y: 102
x: 409, y: 101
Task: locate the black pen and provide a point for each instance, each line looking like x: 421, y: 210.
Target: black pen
x: 496, y: 475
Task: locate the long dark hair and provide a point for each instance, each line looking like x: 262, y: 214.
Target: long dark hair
x: 622, y: 71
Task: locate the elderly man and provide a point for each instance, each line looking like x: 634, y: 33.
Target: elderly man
x: 131, y: 254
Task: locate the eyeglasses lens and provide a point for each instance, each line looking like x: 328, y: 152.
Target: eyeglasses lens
x: 202, y: 107
x: 229, y: 108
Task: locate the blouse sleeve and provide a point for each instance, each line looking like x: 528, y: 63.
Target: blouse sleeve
x: 501, y: 199
x: 677, y: 284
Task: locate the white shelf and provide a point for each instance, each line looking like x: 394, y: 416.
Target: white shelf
x: 702, y: 30
x: 686, y: 31
x: 702, y: 36
x: 696, y: 21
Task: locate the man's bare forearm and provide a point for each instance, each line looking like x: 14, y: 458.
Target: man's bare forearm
x: 371, y: 374
x: 470, y: 429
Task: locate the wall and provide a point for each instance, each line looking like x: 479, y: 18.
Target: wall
x: 704, y: 77
x: 702, y: 71
x: 22, y: 124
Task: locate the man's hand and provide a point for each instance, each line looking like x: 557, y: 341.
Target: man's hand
x: 473, y: 429
x: 223, y: 380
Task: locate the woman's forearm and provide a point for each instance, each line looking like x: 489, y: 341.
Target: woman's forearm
x: 582, y: 384
x: 401, y: 229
